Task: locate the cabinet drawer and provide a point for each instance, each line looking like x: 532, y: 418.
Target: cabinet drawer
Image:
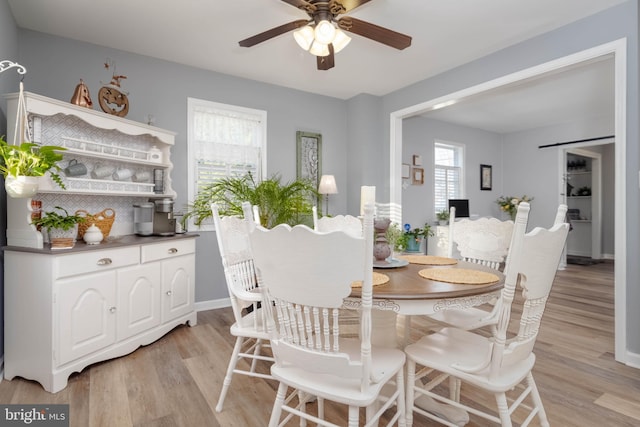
x: 166, y: 250
x: 89, y: 262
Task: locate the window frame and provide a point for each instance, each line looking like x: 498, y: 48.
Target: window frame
x: 460, y: 149
x: 192, y: 104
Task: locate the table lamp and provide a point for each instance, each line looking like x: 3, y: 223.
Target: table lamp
x: 327, y: 186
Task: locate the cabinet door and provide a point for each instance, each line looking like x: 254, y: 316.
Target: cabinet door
x: 86, y: 311
x: 139, y: 290
x: 177, y: 286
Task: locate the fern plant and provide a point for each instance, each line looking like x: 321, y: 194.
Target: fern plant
x: 61, y: 220
x: 278, y: 202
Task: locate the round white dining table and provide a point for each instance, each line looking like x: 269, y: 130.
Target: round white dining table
x: 408, y: 293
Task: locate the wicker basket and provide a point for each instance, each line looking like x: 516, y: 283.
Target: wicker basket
x: 103, y: 220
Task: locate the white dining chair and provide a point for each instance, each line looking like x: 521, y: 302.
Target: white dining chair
x: 249, y: 328
x: 476, y: 317
x: 347, y: 223
x: 482, y: 241
x: 497, y: 364
x: 308, y: 275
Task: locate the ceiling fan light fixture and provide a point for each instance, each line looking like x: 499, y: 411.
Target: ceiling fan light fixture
x: 325, y: 32
x: 319, y: 49
x: 340, y: 41
x: 304, y: 36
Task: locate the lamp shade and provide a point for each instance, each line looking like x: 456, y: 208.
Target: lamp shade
x: 304, y: 37
x: 340, y: 41
x: 325, y: 32
x: 328, y: 185
x: 319, y: 49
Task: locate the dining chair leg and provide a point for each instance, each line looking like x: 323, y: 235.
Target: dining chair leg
x: 503, y: 409
x: 256, y: 352
x: 410, y: 393
x: 354, y: 415
x: 276, y: 411
x: 542, y: 415
x: 454, y: 389
x: 233, y: 361
x: 321, y: 408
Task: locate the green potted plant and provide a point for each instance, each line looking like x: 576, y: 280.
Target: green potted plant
x: 414, y: 237
x: 21, y: 164
x: 59, y: 224
x: 443, y: 217
x: 277, y: 202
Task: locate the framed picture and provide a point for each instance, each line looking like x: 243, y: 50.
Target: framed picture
x: 485, y: 177
x: 417, y: 160
x: 406, y: 171
x: 309, y: 158
x: 418, y: 176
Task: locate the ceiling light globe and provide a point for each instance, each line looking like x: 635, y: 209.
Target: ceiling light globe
x: 325, y: 32
x: 340, y: 41
x: 304, y: 37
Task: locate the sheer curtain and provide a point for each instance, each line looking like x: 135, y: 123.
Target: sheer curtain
x: 224, y: 140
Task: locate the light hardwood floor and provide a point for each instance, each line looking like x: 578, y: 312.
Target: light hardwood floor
x: 175, y: 381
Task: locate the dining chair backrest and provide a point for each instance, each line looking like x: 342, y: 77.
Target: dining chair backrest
x: 532, y: 266
x: 308, y: 274
x: 482, y: 241
x: 347, y: 223
x: 232, y: 234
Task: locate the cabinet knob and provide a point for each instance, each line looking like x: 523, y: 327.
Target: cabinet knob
x: 104, y: 261
x: 112, y: 309
x: 169, y: 293
x: 173, y: 251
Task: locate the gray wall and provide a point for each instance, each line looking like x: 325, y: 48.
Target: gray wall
x: 355, y: 132
x: 481, y: 147
x: 161, y: 88
x: 535, y: 172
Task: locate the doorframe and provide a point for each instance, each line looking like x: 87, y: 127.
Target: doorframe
x: 596, y: 191
x: 618, y: 49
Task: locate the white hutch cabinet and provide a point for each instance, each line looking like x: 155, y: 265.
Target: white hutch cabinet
x: 66, y: 309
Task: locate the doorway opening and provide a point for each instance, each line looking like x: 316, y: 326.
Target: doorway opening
x: 618, y: 50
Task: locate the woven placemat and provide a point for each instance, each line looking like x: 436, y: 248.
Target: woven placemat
x: 459, y: 275
x: 378, y: 279
x: 429, y: 259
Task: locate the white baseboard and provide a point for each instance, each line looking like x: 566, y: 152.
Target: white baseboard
x: 633, y: 360
x: 212, y: 304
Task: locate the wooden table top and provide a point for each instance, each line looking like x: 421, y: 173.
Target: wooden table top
x: 406, y: 284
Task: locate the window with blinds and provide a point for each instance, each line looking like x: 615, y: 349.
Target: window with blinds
x: 448, y: 173
x: 224, y: 140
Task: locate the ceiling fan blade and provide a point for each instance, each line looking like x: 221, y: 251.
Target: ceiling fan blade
x: 259, y: 38
x: 375, y: 32
x: 338, y: 7
x: 302, y: 5
x: 326, y: 62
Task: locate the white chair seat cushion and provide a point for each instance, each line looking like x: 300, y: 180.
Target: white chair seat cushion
x: 386, y: 362
x: 449, y: 348
x: 247, y: 327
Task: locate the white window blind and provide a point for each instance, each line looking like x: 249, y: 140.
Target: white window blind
x: 448, y: 174
x: 224, y: 140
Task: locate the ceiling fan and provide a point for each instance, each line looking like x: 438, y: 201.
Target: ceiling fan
x: 323, y: 35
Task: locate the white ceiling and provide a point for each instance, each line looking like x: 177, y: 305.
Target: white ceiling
x: 205, y: 34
